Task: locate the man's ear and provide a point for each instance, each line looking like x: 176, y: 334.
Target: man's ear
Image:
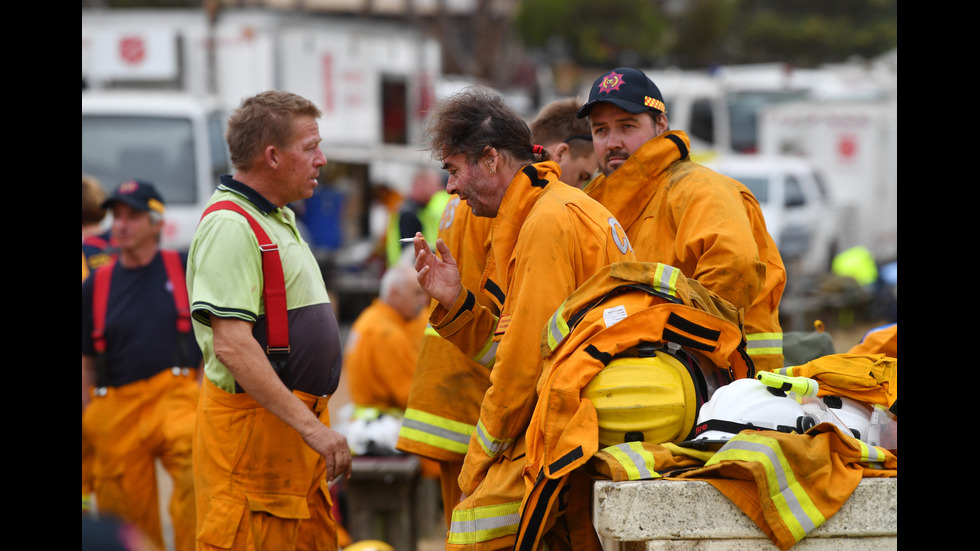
x: 559, y: 151
x: 271, y: 156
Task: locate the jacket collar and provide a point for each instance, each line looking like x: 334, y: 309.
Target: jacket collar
x: 629, y: 188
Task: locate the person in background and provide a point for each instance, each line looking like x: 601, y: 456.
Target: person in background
x: 97, y: 246
x: 383, y: 346
x: 568, y: 140
x: 419, y: 212
x: 139, y: 371
x: 94, y: 242
x: 547, y: 239
x: 264, y: 449
x: 680, y: 213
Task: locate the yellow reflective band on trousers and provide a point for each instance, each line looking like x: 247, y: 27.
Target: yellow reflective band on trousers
x: 795, y: 508
x: 436, y: 431
x: 636, y: 461
x: 758, y: 344
x: 484, y: 523
x: 491, y: 445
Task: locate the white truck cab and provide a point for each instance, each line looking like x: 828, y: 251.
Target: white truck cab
x: 173, y: 140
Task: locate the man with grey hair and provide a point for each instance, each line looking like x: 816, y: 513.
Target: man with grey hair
x: 383, y: 345
x: 265, y: 451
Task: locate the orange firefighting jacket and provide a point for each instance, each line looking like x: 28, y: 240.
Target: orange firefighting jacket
x: 789, y: 484
x: 446, y: 391
x: 868, y: 378
x: 881, y: 340
x: 709, y: 226
x: 547, y: 239
x: 380, y: 356
x: 621, y: 306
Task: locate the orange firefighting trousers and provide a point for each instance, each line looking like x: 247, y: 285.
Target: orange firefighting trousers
x: 258, y: 485
x: 129, y: 427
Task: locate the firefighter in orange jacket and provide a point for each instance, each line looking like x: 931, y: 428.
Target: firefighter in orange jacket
x: 446, y: 391
x: 680, y: 213
x: 547, y: 239
x: 677, y: 341
x: 384, y: 342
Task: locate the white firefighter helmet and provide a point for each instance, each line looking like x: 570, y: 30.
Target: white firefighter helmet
x: 746, y: 404
x: 853, y: 413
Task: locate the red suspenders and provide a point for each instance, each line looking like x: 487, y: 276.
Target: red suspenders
x: 274, y: 292
x: 274, y: 289
x: 100, y: 297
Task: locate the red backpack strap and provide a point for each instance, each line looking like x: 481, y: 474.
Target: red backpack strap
x: 175, y: 273
x: 274, y: 288
x: 100, y: 302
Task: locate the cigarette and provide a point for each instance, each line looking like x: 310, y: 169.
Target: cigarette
x: 406, y: 239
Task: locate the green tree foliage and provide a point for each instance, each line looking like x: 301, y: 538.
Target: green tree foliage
x: 593, y: 32
x: 706, y: 32
x: 810, y: 32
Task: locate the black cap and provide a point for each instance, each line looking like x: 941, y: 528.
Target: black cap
x: 629, y: 89
x: 137, y: 194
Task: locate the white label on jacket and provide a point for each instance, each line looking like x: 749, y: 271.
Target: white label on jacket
x: 614, y: 315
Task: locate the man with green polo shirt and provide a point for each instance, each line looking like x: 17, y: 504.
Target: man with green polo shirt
x: 263, y: 449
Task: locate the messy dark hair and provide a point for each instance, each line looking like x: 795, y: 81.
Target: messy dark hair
x: 477, y: 118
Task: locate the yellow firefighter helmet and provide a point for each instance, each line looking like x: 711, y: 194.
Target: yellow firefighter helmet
x: 652, y: 399
x: 369, y: 545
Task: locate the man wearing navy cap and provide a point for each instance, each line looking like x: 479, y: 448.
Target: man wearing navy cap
x: 680, y: 213
x: 139, y: 382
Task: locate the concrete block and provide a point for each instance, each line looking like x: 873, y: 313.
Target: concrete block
x: 674, y: 515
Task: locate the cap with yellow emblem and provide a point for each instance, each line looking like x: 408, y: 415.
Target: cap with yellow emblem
x: 140, y: 195
x: 629, y: 89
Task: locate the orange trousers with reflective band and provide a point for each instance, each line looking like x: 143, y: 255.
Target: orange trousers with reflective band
x: 258, y: 485
x: 129, y: 428
x: 488, y: 520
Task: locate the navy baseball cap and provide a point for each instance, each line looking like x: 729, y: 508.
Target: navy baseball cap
x: 629, y: 89
x: 137, y: 194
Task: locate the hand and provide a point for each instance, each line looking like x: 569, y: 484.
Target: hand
x: 439, y: 277
x: 334, y: 448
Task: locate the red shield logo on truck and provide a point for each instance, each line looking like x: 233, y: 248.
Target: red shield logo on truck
x: 132, y: 49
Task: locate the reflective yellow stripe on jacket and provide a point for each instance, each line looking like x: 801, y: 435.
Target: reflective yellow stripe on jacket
x: 637, y: 462
x: 795, y: 508
x: 665, y: 278
x: 436, y: 431
x: 492, y: 445
x: 488, y: 354
x: 758, y: 344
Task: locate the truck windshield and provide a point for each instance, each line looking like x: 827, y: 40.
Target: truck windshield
x: 743, y: 112
x: 155, y: 149
x: 758, y: 186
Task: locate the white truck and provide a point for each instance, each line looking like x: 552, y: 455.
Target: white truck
x: 173, y: 140
x: 719, y: 109
x: 800, y: 213
x: 855, y: 147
